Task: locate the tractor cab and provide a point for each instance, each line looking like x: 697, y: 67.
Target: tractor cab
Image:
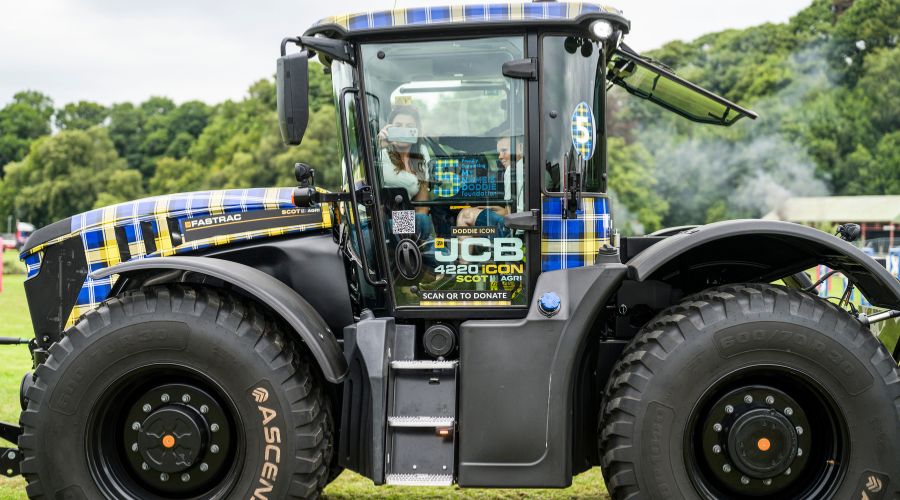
x: 474, y: 140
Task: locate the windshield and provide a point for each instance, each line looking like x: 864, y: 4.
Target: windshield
x: 652, y: 81
x: 448, y: 149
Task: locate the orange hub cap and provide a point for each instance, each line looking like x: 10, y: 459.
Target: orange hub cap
x: 168, y: 441
x: 763, y: 444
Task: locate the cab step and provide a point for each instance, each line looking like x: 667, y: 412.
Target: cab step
x: 423, y: 364
x: 429, y: 422
x: 419, y: 479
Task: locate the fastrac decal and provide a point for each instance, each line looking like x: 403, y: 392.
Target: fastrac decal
x: 272, y: 436
x: 584, y: 132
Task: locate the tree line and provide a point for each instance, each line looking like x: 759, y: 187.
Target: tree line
x: 825, y: 86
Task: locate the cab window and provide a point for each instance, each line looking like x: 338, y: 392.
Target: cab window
x: 572, y: 122
x: 448, y: 143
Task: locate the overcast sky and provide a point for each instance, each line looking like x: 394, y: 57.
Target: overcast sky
x: 212, y: 50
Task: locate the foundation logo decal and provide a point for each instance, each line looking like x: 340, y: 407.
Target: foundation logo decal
x: 584, y: 133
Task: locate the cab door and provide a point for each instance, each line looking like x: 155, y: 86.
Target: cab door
x: 575, y: 211
x: 447, y: 150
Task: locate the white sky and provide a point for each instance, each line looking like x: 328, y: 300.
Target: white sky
x: 212, y: 50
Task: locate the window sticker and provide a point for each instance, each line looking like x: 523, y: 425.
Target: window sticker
x: 584, y: 133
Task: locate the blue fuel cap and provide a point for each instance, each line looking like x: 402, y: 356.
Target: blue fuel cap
x: 549, y: 304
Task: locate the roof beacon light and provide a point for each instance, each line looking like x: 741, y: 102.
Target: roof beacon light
x: 602, y: 30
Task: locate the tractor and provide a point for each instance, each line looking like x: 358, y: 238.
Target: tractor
x: 462, y: 311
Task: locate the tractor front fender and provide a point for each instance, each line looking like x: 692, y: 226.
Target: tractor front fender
x: 267, y: 290
x: 759, y: 251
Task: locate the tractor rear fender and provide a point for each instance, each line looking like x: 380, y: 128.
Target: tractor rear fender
x: 265, y: 289
x: 760, y: 251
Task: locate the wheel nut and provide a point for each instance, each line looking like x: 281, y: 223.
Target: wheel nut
x: 163, y: 477
x: 767, y: 482
x: 726, y: 468
x: 204, y: 467
x: 134, y: 447
x: 789, y: 411
x: 147, y: 408
x: 729, y: 409
x: 164, y: 398
x: 799, y: 430
x: 745, y: 480
x: 787, y: 472
x: 214, y: 427
x: 204, y: 409
x: 748, y: 399
x: 799, y: 452
x: 717, y: 427
x: 144, y: 466
x: 214, y: 448
x: 717, y: 449
x: 136, y: 426
x: 770, y: 400
x: 186, y: 398
x: 185, y: 478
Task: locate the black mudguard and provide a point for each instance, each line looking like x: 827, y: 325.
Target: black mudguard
x: 284, y: 301
x: 758, y: 251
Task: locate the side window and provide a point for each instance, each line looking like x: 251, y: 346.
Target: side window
x: 572, y: 93
x: 448, y: 145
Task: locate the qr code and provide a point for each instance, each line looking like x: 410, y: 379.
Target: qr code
x: 404, y: 221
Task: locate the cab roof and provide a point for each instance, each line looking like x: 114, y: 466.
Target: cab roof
x: 483, y: 15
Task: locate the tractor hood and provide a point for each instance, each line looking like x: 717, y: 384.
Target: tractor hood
x: 170, y: 225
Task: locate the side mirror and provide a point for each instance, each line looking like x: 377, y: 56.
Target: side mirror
x: 292, y: 94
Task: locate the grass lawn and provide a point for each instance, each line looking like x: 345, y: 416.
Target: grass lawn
x: 15, y: 361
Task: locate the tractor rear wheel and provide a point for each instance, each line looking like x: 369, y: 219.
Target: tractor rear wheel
x: 176, y: 392
x: 752, y: 391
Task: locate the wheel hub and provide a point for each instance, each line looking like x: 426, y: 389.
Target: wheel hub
x: 762, y: 443
x: 172, y: 438
x: 177, y: 439
x: 754, y: 440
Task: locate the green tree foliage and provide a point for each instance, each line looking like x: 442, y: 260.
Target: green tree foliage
x: 81, y: 115
x: 68, y: 173
x: 23, y: 120
x: 826, y: 90
x: 633, y: 187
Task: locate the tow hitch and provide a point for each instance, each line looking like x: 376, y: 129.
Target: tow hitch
x: 10, y: 457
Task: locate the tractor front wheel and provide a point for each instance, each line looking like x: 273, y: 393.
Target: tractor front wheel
x: 176, y: 392
x: 753, y: 391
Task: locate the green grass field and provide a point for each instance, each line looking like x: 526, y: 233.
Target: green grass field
x: 15, y: 361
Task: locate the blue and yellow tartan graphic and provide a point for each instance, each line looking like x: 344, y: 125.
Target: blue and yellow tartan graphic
x: 97, y: 230
x: 446, y: 178
x: 462, y: 14
x: 568, y: 243
x: 583, y: 131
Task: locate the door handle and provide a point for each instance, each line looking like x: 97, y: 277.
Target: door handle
x: 525, y: 221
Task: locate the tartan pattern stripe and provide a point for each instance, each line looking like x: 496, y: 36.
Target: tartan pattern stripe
x: 569, y: 243
x: 97, y: 230
x: 461, y: 14
x: 446, y: 178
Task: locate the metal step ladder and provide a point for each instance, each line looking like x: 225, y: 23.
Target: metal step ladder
x: 421, y: 430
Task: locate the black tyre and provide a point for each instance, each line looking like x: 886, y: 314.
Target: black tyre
x: 753, y: 391
x: 176, y: 392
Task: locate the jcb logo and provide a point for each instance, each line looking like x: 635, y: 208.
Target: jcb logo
x: 482, y: 250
